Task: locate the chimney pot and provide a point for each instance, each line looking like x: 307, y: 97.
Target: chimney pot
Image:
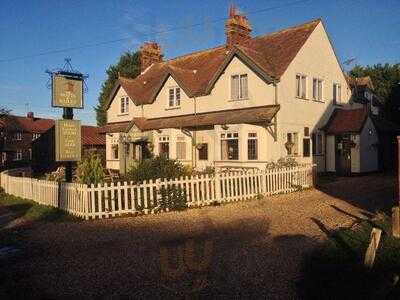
x: 237, y: 28
x: 150, y: 53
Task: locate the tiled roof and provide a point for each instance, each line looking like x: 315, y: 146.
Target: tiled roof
x: 195, y: 73
x: 346, y: 121
x: 91, y: 136
x: 32, y: 125
x: 360, y: 81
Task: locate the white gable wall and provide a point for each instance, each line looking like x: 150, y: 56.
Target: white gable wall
x: 316, y: 59
x: 114, y: 111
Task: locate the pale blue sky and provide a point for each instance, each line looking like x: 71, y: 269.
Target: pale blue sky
x: 366, y: 30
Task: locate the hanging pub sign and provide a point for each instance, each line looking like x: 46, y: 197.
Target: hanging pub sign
x: 67, y: 90
x: 68, y: 140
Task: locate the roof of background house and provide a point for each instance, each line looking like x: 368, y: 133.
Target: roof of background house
x: 251, y: 115
x: 26, y: 124
x: 269, y: 55
x: 91, y: 136
x: 346, y: 121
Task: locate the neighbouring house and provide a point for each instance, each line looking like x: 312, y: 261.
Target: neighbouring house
x: 43, y: 150
x: 17, y: 134
x: 364, y: 94
x: 243, y: 104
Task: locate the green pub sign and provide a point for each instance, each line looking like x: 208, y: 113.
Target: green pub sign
x: 68, y: 140
x: 67, y: 91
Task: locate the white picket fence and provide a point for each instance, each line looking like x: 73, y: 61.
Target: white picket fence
x: 116, y: 199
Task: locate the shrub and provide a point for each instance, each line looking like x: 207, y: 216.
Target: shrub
x: 283, y: 162
x: 172, y: 197
x: 157, y: 167
x: 90, y: 170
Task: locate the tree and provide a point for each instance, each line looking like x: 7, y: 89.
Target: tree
x: 127, y: 66
x: 386, y: 80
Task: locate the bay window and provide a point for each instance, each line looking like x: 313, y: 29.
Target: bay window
x: 181, y: 148
x: 230, y: 146
x: 203, y: 151
x: 252, y: 146
x: 163, y: 146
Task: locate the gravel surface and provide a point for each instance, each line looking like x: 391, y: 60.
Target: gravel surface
x: 255, y: 247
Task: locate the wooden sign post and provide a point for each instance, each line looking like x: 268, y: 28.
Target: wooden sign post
x: 67, y: 92
x: 373, y: 246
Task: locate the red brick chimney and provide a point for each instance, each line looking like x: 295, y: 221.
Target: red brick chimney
x: 150, y: 53
x: 30, y: 115
x: 237, y: 28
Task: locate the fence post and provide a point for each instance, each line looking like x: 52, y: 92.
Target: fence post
x: 86, y: 192
x: 217, y: 179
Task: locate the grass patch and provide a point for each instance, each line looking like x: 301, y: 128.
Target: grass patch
x: 336, y: 271
x: 32, y: 211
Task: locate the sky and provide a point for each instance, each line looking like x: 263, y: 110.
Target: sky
x: 36, y: 36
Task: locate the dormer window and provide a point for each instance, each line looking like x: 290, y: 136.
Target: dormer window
x: 239, y: 89
x: 124, y: 105
x: 174, y: 97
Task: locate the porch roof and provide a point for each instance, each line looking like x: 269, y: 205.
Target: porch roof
x: 234, y: 116
x: 115, y: 127
x: 346, y: 121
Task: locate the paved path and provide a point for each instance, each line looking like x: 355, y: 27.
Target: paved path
x: 256, y: 247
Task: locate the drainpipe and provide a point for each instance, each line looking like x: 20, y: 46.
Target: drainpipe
x: 276, y: 117
x: 194, y: 138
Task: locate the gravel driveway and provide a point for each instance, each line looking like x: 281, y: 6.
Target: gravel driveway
x: 253, y: 249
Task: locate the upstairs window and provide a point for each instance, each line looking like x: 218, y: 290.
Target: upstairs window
x: 337, y: 93
x: 317, y: 89
x: 174, y: 97
x: 124, y: 105
x: 301, y: 86
x: 239, y: 89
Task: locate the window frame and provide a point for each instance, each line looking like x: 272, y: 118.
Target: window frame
x: 230, y: 137
x: 18, y: 155
x: 162, y: 141
x: 18, y: 136
x: 301, y: 87
x: 337, y: 87
x: 182, y: 142
x: 115, y: 151
x: 240, y: 94
x: 203, y: 150
x: 175, y: 100
x: 252, y: 154
x: 296, y: 135
x: 318, y: 89
x: 124, y: 105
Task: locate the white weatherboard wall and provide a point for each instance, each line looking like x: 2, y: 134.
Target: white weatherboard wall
x: 369, y: 148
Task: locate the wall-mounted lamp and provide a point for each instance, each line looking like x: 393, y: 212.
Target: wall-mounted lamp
x: 225, y: 127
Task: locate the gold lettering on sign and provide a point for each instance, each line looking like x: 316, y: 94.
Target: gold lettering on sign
x: 68, y: 140
x: 67, y: 92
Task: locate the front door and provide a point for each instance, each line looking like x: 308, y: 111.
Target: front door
x: 343, y: 154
